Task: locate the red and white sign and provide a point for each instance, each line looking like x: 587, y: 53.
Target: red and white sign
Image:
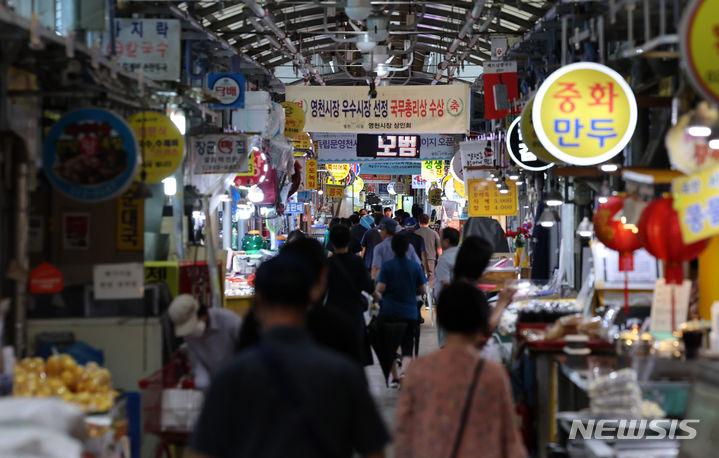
x: 418, y: 182
x: 150, y: 45
x: 500, y: 87
x: 226, y: 90
x: 45, y: 279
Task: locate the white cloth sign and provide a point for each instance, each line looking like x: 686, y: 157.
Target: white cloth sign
x: 476, y: 154
x: 219, y: 153
x: 118, y: 281
x: 661, y: 314
x: 342, y: 147
x: 150, y: 45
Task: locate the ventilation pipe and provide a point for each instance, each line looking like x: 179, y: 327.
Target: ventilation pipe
x: 264, y: 16
x: 475, y: 38
x: 472, y: 17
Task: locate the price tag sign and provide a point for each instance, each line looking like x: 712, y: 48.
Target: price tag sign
x: 664, y: 296
x: 486, y: 200
x: 294, y: 119
x: 696, y: 199
x: 584, y: 113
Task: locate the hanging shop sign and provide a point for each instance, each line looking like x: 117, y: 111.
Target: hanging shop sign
x: 368, y: 178
x: 688, y: 153
x: 161, y: 144
x: 392, y: 167
x: 519, y: 151
x: 696, y: 199
x: 294, y: 119
x: 335, y: 192
x: 357, y: 185
x: 311, y: 174
x: 130, y: 221
x: 150, y: 45
x: 118, y: 281
x: 453, y: 186
x: 338, y: 171
x: 418, y: 182
x: 294, y: 208
x: 302, y: 144
x: 455, y: 167
x: 257, y: 168
x: 498, y: 46
x: 486, y: 200
x: 228, y: 89
x: 529, y: 135
x: 388, y: 146
x: 476, y: 154
x: 500, y: 88
x: 339, y: 147
x: 75, y: 231
x: 220, y: 153
x: 91, y: 155
x: 432, y: 170
x: 698, y: 37
x: 584, y: 113
x: 45, y: 279
x: 396, y: 109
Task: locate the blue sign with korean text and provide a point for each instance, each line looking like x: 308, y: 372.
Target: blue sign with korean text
x: 228, y: 88
x: 91, y: 155
x: 294, y: 208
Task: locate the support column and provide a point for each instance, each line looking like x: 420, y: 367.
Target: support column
x: 708, y: 284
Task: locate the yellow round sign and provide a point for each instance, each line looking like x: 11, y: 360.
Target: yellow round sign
x: 449, y: 183
x: 698, y: 32
x: 358, y: 185
x: 529, y: 135
x: 338, y: 171
x: 161, y: 144
x: 294, y: 119
x: 584, y: 113
x: 302, y: 143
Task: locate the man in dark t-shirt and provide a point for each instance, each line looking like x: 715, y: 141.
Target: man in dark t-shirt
x: 288, y: 396
x: 370, y: 240
x: 357, y: 231
x: 415, y: 240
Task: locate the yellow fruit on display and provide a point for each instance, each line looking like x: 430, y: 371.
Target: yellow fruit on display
x: 53, y: 366
x: 105, y: 377
x: 67, y: 362
x: 92, y: 366
x: 69, y: 379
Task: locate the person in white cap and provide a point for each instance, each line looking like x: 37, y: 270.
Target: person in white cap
x: 211, y: 335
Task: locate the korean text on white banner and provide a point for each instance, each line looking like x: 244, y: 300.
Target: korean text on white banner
x: 396, y: 109
x: 150, y: 45
x: 340, y: 147
x: 219, y: 153
x: 476, y: 154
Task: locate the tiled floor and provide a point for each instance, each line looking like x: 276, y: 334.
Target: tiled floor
x: 386, y: 398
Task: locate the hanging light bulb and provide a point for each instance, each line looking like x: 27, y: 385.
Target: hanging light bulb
x: 604, y: 193
x: 548, y: 218
x: 255, y: 194
x: 504, y: 189
x: 513, y: 174
x: 585, y: 229
x: 169, y: 185
x: 553, y: 198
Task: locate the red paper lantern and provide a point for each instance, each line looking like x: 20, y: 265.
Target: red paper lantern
x: 661, y: 235
x: 615, y: 233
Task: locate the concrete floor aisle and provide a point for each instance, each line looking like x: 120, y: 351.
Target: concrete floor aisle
x: 386, y: 398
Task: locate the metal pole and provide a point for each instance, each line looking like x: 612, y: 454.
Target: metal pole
x: 565, y: 26
x: 630, y: 25
x: 647, y: 22
x: 22, y: 259
x: 662, y: 17
x: 600, y: 31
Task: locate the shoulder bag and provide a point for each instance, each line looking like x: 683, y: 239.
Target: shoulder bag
x: 465, y: 410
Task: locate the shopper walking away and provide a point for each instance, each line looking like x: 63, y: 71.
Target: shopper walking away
x: 371, y: 239
x: 347, y: 278
x: 445, y: 268
x: 415, y: 240
x: 398, y: 283
x: 211, y: 335
x: 469, y: 413
x: 288, y: 396
x: 329, y: 326
x: 383, y: 251
x: 357, y: 231
x: 432, y: 245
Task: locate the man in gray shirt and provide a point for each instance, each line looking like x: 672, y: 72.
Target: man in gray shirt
x: 211, y: 335
x: 432, y: 247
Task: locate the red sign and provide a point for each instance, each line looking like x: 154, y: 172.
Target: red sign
x: 45, y: 279
x: 500, y: 85
x: 368, y: 178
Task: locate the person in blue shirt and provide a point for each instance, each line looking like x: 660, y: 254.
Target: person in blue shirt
x: 399, y: 282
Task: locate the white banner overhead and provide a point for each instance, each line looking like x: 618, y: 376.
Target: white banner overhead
x: 341, y: 147
x: 476, y: 154
x: 396, y: 109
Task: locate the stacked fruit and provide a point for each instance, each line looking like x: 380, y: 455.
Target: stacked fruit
x: 88, y: 387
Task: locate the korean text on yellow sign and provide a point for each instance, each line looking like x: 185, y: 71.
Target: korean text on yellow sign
x: 432, y: 170
x: 584, y: 113
x: 161, y: 143
x: 696, y: 199
x: 338, y: 172
x: 486, y: 200
x: 397, y: 109
x: 335, y: 192
x: 699, y: 42
x: 311, y: 174
x: 294, y: 119
x: 130, y: 221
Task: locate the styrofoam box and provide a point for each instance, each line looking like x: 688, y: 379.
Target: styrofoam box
x: 251, y: 119
x: 257, y: 98
x: 180, y: 409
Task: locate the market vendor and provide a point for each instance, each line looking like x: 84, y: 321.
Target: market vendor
x: 211, y: 335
